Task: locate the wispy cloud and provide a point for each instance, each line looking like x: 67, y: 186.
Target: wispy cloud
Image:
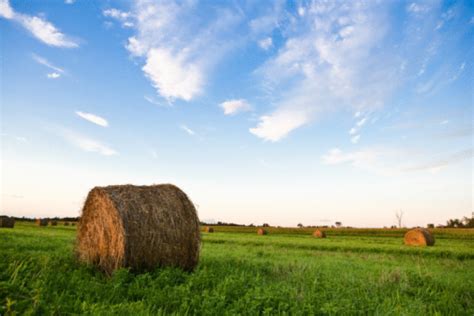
x: 85, y: 143
x: 187, y: 130
x: 435, y: 166
x: 324, y: 63
x: 93, y: 118
x: 39, y: 27
x: 235, y: 106
x: 156, y: 102
x: 43, y: 61
x: 69, y: 1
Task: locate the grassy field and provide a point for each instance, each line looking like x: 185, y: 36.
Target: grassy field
x: 286, y: 272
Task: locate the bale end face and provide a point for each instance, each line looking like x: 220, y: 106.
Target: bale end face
x: 319, y: 234
x: 140, y: 227
x: 419, y: 237
x: 209, y: 229
x: 262, y: 231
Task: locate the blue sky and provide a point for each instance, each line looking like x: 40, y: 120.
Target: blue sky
x: 278, y: 112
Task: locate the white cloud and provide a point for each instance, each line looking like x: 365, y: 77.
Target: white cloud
x: 53, y: 75
x: 69, y: 1
x: 179, y: 47
x: 172, y: 75
x: 444, y: 122
x: 6, y: 10
x: 324, y: 65
x: 93, y: 118
x: 235, y: 106
x: 123, y: 17
x: 43, y: 61
x: 39, y: 27
x: 87, y: 144
x: 265, y: 43
x: 46, y: 31
x: 187, y: 130
x: 279, y: 124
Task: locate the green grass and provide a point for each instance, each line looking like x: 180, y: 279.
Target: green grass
x: 285, y: 272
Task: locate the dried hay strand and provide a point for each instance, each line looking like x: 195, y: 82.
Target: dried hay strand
x: 419, y: 237
x: 209, y: 229
x: 140, y: 227
x: 53, y: 223
x: 7, y: 222
x: 262, y: 231
x: 319, y: 234
x: 41, y: 222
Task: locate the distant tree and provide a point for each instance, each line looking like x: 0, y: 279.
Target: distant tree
x: 393, y: 226
x: 399, y: 217
x: 300, y: 225
x: 265, y: 225
x: 430, y: 226
x: 338, y: 224
x: 468, y: 222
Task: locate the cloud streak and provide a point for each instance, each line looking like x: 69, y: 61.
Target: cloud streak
x: 39, y: 27
x: 93, y: 118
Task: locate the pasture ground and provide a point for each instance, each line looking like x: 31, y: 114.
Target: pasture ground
x: 353, y: 271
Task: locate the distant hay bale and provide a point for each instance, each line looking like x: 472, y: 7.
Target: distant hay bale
x: 41, y: 222
x: 209, y: 229
x: 53, y: 223
x: 7, y: 222
x: 319, y: 234
x: 419, y: 237
x: 140, y: 227
x: 262, y: 231
x: 66, y: 223
x: 73, y: 224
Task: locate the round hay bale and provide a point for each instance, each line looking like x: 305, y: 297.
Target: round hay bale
x: 41, y: 222
x: 7, y: 222
x: 73, y: 224
x: 140, y: 227
x: 66, y: 223
x: 209, y: 229
x: 53, y: 223
x: 319, y: 234
x: 419, y: 237
x: 262, y: 231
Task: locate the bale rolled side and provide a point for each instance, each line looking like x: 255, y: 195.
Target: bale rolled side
x: 140, y: 227
x: 262, y: 231
x: 7, y: 222
x: 419, y: 237
x: 319, y: 233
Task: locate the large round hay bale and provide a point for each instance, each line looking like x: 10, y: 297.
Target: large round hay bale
x: 53, y: 223
x: 41, y: 222
x: 262, y: 231
x: 7, y: 222
x: 419, y: 237
x: 209, y: 229
x: 140, y: 227
x: 319, y: 233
